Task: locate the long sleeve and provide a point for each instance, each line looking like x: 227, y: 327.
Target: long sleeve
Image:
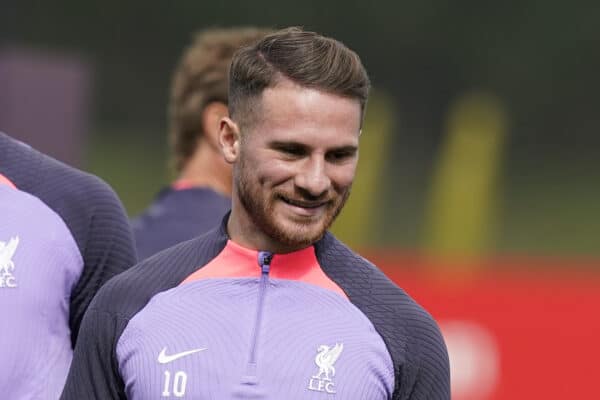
x: 94, y: 371
x: 108, y: 249
x: 429, y: 379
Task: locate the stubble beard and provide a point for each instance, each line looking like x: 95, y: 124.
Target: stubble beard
x: 260, y: 211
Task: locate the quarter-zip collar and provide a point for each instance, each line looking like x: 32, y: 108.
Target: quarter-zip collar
x: 236, y: 261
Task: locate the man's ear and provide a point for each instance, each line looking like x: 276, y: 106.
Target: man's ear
x: 229, y: 139
x: 211, y: 117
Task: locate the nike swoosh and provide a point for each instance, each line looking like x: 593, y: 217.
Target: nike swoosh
x: 163, y: 358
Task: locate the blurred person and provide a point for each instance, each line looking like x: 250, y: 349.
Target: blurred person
x: 200, y: 196
x: 63, y: 234
x: 269, y: 305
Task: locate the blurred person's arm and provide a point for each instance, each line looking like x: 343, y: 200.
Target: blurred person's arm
x: 108, y: 248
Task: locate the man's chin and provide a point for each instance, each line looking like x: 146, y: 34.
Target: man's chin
x: 300, y: 235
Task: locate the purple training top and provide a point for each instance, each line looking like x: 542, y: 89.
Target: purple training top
x: 208, y: 319
x: 63, y: 233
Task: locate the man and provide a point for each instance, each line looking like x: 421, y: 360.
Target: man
x: 198, y: 199
x: 63, y: 234
x: 269, y: 305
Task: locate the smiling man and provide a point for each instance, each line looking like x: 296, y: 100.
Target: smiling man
x: 269, y: 305
x: 296, y: 165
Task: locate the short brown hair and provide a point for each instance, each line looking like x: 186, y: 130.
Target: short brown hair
x: 304, y: 57
x: 200, y: 78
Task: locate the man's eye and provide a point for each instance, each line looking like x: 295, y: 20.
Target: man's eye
x: 338, y: 156
x: 292, y: 151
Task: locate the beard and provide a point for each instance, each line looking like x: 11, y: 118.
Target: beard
x: 295, y: 233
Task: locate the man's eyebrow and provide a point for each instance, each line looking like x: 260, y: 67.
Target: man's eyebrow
x: 288, y: 145
x: 278, y: 144
x: 285, y: 143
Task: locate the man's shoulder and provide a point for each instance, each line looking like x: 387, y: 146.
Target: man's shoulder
x: 76, y: 196
x: 345, y: 264
x: 175, y: 216
x: 395, y: 314
x: 193, y: 205
x: 79, y: 187
x: 51, y: 180
x: 128, y: 292
x: 411, y: 335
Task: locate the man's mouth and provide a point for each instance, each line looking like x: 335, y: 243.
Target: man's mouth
x: 303, y: 203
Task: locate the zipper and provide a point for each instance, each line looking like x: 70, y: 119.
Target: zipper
x: 264, y: 262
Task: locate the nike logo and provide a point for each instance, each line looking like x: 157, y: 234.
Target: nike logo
x: 164, y: 358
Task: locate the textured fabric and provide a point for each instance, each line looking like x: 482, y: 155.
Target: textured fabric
x: 413, y: 338
x: 63, y: 233
x: 177, y: 215
x: 165, y: 329
x: 282, y: 364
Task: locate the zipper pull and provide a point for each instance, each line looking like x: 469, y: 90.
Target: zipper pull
x: 264, y: 261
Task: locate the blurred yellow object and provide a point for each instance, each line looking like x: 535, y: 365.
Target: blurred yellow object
x: 461, y: 210
x: 356, y: 223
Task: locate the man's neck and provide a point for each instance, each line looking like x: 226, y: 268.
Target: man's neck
x: 207, y: 168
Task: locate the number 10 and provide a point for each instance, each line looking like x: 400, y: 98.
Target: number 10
x: 179, y: 382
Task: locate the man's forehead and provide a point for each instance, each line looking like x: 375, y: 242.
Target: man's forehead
x: 288, y: 101
x: 285, y: 87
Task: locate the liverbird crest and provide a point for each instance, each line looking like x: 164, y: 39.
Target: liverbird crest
x: 325, y: 359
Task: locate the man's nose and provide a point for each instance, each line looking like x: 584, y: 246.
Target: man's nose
x: 313, y: 177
